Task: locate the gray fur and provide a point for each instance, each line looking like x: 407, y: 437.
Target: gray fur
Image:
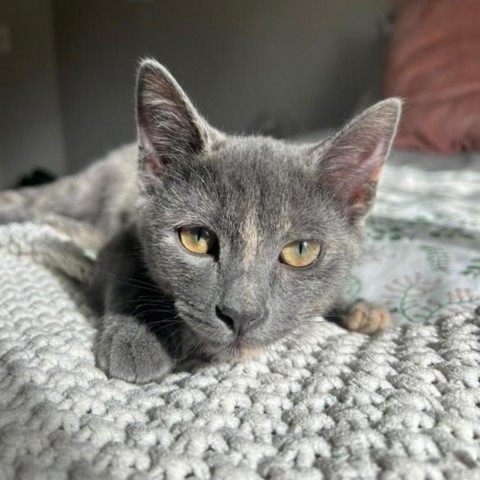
x: 160, y: 303
x: 102, y: 196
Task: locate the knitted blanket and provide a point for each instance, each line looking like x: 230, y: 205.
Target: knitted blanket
x: 401, y: 404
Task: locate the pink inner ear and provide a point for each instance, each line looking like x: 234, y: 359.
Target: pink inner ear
x: 373, y: 163
x: 151, y: 172
x: 151, y: 166
x: 355, y: 176
x: 359, y: 168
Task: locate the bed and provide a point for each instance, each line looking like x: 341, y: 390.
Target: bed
x: 401, y: 404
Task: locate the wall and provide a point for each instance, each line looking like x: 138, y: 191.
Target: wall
x: 307, y: 61
x: 30, y: 125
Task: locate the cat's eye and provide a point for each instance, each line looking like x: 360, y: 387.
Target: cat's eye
x: 300, y: 253
x: 197, y: 239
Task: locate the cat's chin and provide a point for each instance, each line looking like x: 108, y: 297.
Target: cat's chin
x: 250, y: 351
x: 222, y: 350
x: 239, y: 350
x: 236, y: 350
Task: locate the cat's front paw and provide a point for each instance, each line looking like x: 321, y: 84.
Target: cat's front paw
x: 366, y: 317
x: 129, y: 350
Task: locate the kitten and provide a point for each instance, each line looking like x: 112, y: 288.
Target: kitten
x: 237, y: 241
x: 234, y: 242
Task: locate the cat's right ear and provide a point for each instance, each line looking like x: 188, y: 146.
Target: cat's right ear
x: 169, y: 127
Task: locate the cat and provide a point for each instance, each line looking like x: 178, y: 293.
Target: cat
x: 217, y: 246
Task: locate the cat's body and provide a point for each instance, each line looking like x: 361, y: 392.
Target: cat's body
x: 103, y: 195
x: 232, y: 243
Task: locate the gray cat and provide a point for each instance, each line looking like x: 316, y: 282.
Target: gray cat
x: 232, y: 244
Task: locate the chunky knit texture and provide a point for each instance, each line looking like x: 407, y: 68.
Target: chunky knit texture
x: 403, y: 404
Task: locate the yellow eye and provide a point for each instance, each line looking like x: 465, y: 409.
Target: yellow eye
x: 197, y: 240
x: 300, y: 253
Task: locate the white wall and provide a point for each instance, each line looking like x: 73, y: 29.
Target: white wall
x: 30, y: 124
x: 308, y: 60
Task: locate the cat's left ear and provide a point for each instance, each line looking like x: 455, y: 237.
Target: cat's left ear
x: 170, y: 129
x: 351, y: 161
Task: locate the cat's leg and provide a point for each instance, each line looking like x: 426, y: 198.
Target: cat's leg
x: 130, y: 307
x: 14, y: 207
x: 362, y: 316
x: 129, y: 350
x: 102, y: 195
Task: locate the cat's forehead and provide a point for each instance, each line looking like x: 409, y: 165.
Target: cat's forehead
x: 259, y: 166
x: 252, y: 149
x: 261, y: 183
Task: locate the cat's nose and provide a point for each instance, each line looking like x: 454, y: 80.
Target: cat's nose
x: 237, y: 321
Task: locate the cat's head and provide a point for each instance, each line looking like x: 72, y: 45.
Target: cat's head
x: 253, y: 237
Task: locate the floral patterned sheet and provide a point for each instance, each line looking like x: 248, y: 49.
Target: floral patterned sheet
x: 422, y: 250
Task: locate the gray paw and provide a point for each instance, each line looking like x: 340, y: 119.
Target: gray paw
x: 128, y: 350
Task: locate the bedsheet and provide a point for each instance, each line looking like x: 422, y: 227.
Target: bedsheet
x: 400, y: 404
x: 422, y: 249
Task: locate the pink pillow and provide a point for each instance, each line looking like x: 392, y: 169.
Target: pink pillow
x: 434, y: 64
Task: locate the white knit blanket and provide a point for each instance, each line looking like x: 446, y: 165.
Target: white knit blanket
x: 402, y: 404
